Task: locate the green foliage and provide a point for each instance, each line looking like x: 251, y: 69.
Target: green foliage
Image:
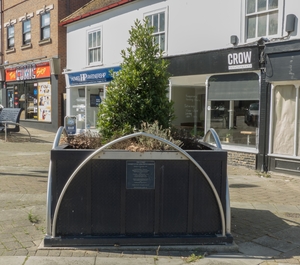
x: 138, y: 91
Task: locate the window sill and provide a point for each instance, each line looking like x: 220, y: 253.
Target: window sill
x: 11, y: 50
x: 26, y: 46
x: 45, y: 41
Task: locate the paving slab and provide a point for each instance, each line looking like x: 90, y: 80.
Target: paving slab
x: 7, y: 260
x: 59, y: 261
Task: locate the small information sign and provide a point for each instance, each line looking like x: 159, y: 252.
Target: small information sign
x: 140, y: 174
x: 70, y: 124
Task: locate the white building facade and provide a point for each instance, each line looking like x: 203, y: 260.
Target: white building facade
x: 217, y: 60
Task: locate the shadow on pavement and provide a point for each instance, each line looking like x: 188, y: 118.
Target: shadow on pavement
x: 262, y: 233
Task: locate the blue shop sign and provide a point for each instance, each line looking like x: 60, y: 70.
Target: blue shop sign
x: 92, y: 76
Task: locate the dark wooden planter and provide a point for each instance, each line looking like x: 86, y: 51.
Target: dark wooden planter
x: 128, y: 198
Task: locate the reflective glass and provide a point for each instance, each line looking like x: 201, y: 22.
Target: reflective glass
x: 162, y: 22
x: 250, y: 6
x: 155, y: 22
x: 251, y: 23
x: 273, y: 23
x: 273, y: 4
x: 262, y: 26
x: 261, y: 5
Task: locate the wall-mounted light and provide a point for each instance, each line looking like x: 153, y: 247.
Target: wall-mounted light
x: 234, y: 39
x: 6, y: 62
x: 290, y: 23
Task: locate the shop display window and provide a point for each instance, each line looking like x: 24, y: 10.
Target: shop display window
x: 233, y: 108
x: 84, y: 105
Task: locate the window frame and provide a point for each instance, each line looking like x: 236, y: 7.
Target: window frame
x: 10, y: 38
x: 24, y: 33
x: 165, y: 31
x: 256, y: 14
x: 43, y: 28
x: 96, y: 47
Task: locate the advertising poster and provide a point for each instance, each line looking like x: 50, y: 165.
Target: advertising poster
x: 44, y: 101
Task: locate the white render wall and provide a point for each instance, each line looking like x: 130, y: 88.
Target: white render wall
x: 193, y: 26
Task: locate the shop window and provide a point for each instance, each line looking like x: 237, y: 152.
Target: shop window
x: 262, y: 18
x: 189, y: 107
x: 45, y: 25
x: 284, y: 120
x: 233, y: 108
x: 158, y: 22
x: 94, y: 47
x: 26, y: 31
x: 11, y: 37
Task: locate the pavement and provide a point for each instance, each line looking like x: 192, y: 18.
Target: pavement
x: 265, y: 212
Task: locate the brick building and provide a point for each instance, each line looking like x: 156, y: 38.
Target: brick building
x: 33, y: 54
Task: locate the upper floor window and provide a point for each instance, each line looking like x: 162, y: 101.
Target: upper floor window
x: 262, y: 18
x: 26, y: 31
x: 158, y: 22
x: 94, y: 46
x: 45, y: 25
x: 11, y: 37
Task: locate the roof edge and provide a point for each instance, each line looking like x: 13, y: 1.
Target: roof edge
x: 94, y: 12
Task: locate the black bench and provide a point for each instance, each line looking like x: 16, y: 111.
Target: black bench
x: 10, y: 120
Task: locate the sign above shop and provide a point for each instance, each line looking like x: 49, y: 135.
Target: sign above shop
x: 92, y: 76
x: 240, y: 60
x: 28, y: 72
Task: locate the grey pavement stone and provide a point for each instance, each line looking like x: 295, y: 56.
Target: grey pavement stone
x: 275, y: 243
x: 59, y: 261
x: 256, y: 250
x: 229, y: 260
x: 291, y: 235
x: 124, y: 261
x: 12, y: 260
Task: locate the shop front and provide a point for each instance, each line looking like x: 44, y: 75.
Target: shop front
x: 283, y: 75
x: 221, y: 90
x: 32, y: 88
x: 85, y: 91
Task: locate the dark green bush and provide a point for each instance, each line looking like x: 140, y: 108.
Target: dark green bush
x: 138, y: 92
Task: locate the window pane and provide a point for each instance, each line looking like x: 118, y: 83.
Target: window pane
x: 162, y: 42
x: 273, y: 4
x: 261, y: 5
x: 45, y: 19
x: 91, y: 56
x: 250, y: 6
x: 11, y: 42
x: 94, y: 39
x: 149, y: 20
x: 99, y: 55
x: 155, y: 22
x: 27, y: 37
x: 90, y: 40
x: 273, y: 23
x: 26, y: 26
x: 11, y: 31
x: 156, y: 39
x: 46, y: 33
x: 262, y: 26
x: 162, y: 22
x: 98, y: 38
x: 251, y: 22
x: 284, y: 120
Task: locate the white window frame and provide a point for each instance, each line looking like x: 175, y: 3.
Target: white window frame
x: 47, y: 26
x: 163, y: 10
x: 100, y: 46
x: 280, y: 11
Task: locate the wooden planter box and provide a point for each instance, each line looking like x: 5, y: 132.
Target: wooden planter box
x: 128, y: 198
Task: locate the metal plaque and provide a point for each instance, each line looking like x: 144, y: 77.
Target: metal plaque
x: 140, y: 174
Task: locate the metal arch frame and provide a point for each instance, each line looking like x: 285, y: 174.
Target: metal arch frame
x: 57, y: 207
x: 212, y: 132
x: 61, y: 130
